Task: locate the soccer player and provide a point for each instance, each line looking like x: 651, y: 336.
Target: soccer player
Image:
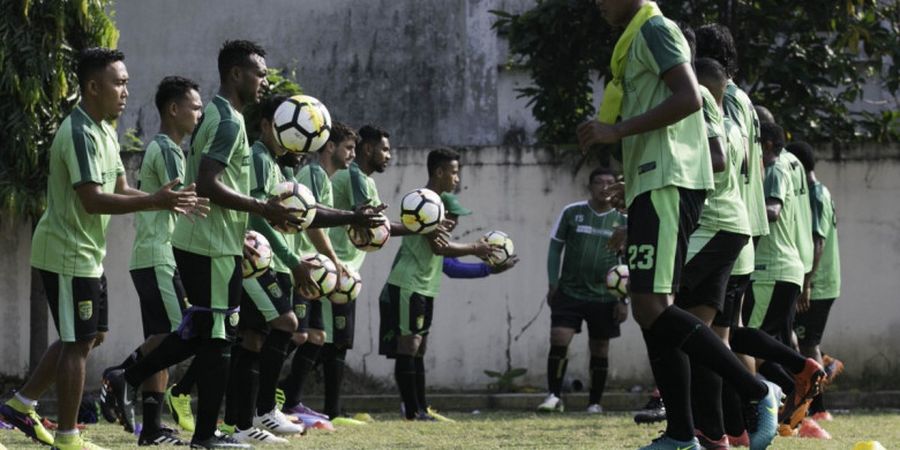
x: 825, y: 283
x: 579, y: 293
x: 208, y: 252
x: 453, y: 267
x: 667, y: 173
x: 406, y: 303
x: 86, y: 184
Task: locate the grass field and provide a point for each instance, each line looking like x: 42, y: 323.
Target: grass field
x: 521, y: 430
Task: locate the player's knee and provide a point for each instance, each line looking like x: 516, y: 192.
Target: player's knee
x: 79, y: 348
x: 99, y: 339
x: 560, y: 336
x: 252, y: 340
x: 299, y: 338
x: 646, y: 308
x: 285, y: 322
x: 316, y: 337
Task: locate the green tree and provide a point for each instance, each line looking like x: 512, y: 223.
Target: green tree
x: 805, y: 60
x: 39, y: 42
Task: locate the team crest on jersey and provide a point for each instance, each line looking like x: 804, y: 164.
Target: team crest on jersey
x: 340, y: 322
x: 85, y: 309
x: 300, y: 311
x: 274, y: 290
x: 579, y: 218
x: 420, y: 322
x: 233, y: 319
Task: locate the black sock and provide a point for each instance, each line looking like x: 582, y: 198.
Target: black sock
x: 213, y: 359
x: 231, y: 396
x: 420, y: 382
x: 817, y: 405
x: 599, y: 368
x: 556, y: 368
x: 187, y: 381
x: 132, y: 358
x: 776, y: 374
x: 759, y: 344
x: 303, y: 361
x: 151, y: 409
x: 271, y: 359
x: 672, y: 371
x: 172, y: 350
x: 247, y: 370
x: 732, y: 411
x: 681, y: 329
x: 706, y: 401
x: 333, y: 368
x: 405, y: 376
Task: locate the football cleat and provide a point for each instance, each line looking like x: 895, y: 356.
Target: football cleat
x: 551, y: 403
x: 163, y: 436
x: 762, y: 418
x: 276, y: 422
x: 74, y: 442
x: 809, y: 428
x: 223, y: 441
x: 26, y: 420
x: 254, y: 435
x: 437, y: 416
x: 739, y: 441
x: 594, y: 409
x: 654, y: 411
x: 107, y: 401
x: 666, y: 443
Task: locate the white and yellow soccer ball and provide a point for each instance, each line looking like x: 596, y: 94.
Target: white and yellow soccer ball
x: 302, y: 199
x: 255, y: 266
x: 502, y: 245
x: 371, y: 239
x: 347, y: 289
x: 325, y: 275
x: 302, y: 124
x: 617, y: 280
x: 421, y: 211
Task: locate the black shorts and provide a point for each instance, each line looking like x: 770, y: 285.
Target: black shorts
x: 704, y: 280
x: 79, y: 305
x: 771, y: 307
x: 402, y: 313
x: 660, y: 222
x: 213, y: 287
x: 162, y: 298
x: 339, y: 323
x: 264, y: 299
x: 567, y: 312
x: 810, y: 325
x: 730, y: 315
x: 309, y: 313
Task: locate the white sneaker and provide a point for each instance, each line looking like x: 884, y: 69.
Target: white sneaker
x: 276, y: 422
x: 551, y: 404
x: 594, y: 409
x: 254, y: 435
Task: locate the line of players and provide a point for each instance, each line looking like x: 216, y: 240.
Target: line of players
x: 192, y: 214
x: 715, y: 209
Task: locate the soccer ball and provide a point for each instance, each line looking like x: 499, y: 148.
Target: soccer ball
x: 302, y: 199
x: 421, y: 211
x: 255, y: 266
x: 502, y: 245
x: 302, y: 124
x: 371, y: 239
x: 617, y: 280
x: 348, y: 288
x: 325, y: 276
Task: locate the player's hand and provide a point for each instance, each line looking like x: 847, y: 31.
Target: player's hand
x: 803, y: 301
x: 181, y: 201
x: 617, y: 240
x: 551, y: 295
x: 615, y: 195
x: 280, y: 215
x: 99, y: 338
x: 440, y: 237
x: 593, y: 132
x: 304, y: 280
x: 506, y: 265
x: 367, y: 216
x: 201, y: 209
x: 620, y: 313
x: 481, y: 249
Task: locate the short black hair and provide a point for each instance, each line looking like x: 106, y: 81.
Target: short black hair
x: 440, y: 156
x: 763, y: 114
x: 710, y: 69
x: 804, y: 152
x: 601, y: 171
x: 690, y: 37
x: 237, y: 54
x: 95, y: 59
x: 772, y: 132
x: 341, y: 132
x: 371, y: 135
x: 173, y: 88
x: 715, y: 41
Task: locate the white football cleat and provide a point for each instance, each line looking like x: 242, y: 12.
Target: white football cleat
x: 594, y: 409
x: 551, y: 404
x: 254, y: 435
x: 276, y: 422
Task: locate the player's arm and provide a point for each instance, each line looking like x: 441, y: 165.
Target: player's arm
x: 773, y: 209
x: 328, y: 217
x: 480, y: 249
x: 454, y: 268
x: 717, y: 154
x: 322, y: 243
x: 554, y: 262
x: 95, y: 201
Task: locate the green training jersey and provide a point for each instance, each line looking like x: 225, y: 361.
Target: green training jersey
x: 351, y: 187
x: 777, y: 258
x: 265, y: 176
x: 826, y: 282
x: 68, y: 240
x: 584, y: 233
x: 803, y: 223
x: 723, y: 208
x: 416, y: 267
x: 675, y: 155
x: 739, y: 108
x: 316, y: 179
x: 220, y: 136
x: 163, y: 162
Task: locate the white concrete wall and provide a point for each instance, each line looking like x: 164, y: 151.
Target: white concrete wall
x: 480, y: 323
